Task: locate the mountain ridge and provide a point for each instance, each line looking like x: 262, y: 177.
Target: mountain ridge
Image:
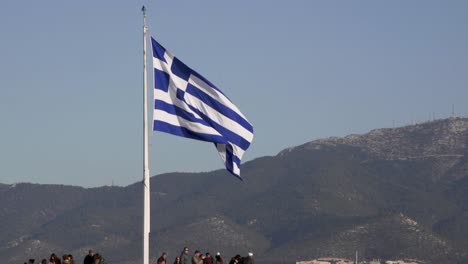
x: 325, y: 197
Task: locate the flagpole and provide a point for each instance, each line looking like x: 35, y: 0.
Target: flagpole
x: 146, y: 180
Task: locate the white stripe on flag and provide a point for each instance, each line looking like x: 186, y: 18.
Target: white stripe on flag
x: 195, y: 81
x: 205, y: 110
x: 218, y: 117
x: 222, y: 152
x: 182, y: 122
x: 171, y: 99
x: 162, y: 66
x: 200, y: 84
x: 212, y: 113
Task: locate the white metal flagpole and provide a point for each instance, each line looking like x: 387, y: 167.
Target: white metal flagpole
x: 146, y: 180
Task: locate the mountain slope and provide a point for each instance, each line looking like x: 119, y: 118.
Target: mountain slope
x: 390, y: 193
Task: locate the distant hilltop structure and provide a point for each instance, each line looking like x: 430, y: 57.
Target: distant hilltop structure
x: 327, y: 261
x: 347, y: 261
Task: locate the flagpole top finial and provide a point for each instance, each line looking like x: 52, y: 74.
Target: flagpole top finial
x: 143, y: 9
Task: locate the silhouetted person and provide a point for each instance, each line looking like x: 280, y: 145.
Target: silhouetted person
x: 218, y: 259
x: 67, y: 259
x: 208, y: 259
x: 98, y: 259
x: 162, y: 259
x: 248, y: 259
x: 89, y: 259
x: 197, y: 258
x: 54, y: 259
x: 184, y: 256
x: 235, y: 260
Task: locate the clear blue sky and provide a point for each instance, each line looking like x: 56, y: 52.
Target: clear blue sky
x: 71, y: 77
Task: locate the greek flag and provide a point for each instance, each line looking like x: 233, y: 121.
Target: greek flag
x: 188, y: 105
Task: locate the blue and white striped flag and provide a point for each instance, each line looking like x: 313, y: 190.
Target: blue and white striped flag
x: 188, y: 105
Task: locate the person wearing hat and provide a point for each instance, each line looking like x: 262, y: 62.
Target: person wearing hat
x: 248, y: 259
x: 218, y: 259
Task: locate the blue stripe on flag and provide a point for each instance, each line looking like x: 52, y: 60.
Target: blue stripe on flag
x: 218, y: 106
x: 180, y: 95
x: 180, y: 69
x: 233, y: 158
x: 177, y: 111
x: 230, y: 160
x: 161, y: 80
x: 185, y: 120
x: 228, y: 164
x: 236, y: 160
x: 158, y: 50
x: 230, y: 136
x: 184, y: 132
x: 183, y: 71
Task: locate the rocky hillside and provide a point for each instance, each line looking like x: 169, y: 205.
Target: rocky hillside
x: 390, y: 194
x: 441, y: 141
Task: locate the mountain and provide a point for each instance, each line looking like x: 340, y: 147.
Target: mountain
x: 391, y: 193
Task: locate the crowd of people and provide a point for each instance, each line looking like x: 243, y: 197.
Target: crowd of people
x: 184, y: 258
x: 200, y: 258
x: 90, y: 258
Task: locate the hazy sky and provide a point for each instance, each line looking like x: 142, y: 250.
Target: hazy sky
x: 71, y: 77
